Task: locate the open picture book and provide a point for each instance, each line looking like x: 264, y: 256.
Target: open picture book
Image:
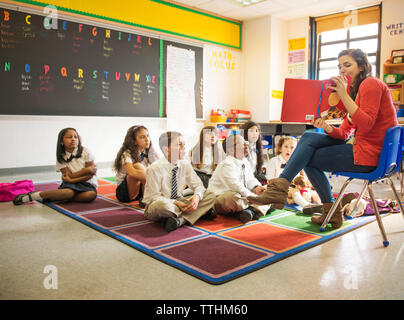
x: 306, y: 100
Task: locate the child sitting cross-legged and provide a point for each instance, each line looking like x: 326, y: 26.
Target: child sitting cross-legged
x: 233, y: 180
x: 166, y: 179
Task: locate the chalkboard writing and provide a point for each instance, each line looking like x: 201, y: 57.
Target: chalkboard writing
x: 70, y: 68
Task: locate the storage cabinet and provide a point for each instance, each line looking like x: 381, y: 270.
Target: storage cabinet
x: 397, y: 89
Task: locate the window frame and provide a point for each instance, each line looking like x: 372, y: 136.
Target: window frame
x: 315, y: 46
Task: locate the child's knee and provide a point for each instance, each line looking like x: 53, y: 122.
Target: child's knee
x: 91, y: 196
x: 68, y: 194
x: 139, y: 166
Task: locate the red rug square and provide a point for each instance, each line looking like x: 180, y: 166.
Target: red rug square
x: 152, y: 235
x: 106, y: 189
x: 219, y: 223
x: 102, y: 182
x: 115, y: 217
x: 80, y: 207
x: 270, y: 237
x: 222, y: 257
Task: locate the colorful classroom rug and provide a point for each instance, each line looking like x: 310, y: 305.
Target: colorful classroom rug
x: 215, y: 251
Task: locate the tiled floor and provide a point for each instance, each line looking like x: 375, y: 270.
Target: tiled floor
x: 91, y: 265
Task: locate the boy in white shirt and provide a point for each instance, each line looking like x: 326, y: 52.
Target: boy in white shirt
x: 233, y: 180
x: 165, y: 182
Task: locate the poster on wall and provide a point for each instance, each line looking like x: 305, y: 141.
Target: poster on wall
x: 180, y: 82
x: 297, y: 58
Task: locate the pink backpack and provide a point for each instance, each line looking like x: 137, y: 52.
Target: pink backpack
x: 8, y: 191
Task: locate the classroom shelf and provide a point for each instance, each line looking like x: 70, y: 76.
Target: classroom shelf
x: 389, y: 68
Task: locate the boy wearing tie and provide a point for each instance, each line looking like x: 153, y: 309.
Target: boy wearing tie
x: 165, y: 183
x: 233, y: 180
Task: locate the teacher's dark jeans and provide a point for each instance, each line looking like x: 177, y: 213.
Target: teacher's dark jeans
x: 317, y: 153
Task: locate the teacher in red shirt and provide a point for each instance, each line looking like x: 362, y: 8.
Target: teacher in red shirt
x: 370, y: 112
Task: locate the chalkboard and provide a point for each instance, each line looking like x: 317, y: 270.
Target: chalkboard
x: 59, y: 67
x: 198, y: 86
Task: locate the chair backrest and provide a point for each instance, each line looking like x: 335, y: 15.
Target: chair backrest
x: 390, y: 157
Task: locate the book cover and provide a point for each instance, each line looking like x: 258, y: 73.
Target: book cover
x: 331, y: 106
x: 306, y: 100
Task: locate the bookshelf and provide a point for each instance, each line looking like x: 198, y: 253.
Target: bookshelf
x: 398, y: 88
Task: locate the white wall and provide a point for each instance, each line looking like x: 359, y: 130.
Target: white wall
x: 391, y: 39
x: 256, y: 44
x: 223, y: 79
x: 278, y: 64
x: 265, y: 49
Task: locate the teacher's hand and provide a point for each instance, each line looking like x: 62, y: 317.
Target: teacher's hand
x: 322, y: 124
x: 340, y: 85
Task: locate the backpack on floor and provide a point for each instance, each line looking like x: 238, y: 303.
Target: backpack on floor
x: 8, y: 191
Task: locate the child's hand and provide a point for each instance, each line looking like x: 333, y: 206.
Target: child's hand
x: 92, y: 170
x: 66, y: 178
x: 194, y: 201
x: 259, y: 189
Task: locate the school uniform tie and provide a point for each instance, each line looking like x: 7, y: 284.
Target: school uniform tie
x: 174, y: 187
x: 243, y: 173
x: 142, y: 156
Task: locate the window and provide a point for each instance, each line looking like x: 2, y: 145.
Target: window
x: 348, y: 30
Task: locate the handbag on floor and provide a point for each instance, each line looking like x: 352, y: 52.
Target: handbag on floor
x: 8, y: 191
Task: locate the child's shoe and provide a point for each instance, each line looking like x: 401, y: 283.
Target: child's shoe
x: 174, y: 223
x: 246, y: 215
x: 209, y: 215
x: 255, y: 212
x: 18, y: 200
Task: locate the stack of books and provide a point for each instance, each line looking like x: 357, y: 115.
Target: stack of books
x: 238, y: 115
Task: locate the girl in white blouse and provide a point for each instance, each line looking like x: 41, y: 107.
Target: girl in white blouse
x: 252, y: 134
x: 134, y: 156
x: 283, y: 151
x: 207, y: 154
x: 76, y: 163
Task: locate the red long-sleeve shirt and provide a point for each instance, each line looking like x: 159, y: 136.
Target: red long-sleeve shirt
x: 375, y: 114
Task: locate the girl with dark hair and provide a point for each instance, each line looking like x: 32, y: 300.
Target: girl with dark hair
x: 207, y: 154
x: 134, y: 156
x: 78, y: 172
x: 252, y: 134
x: 370, y: 112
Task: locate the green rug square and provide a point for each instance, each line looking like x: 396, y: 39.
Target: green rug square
x: 275, y: 212
x: 303, y: 222
x: 112, y: 179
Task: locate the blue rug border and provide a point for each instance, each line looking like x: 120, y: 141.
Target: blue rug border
x: 231, y: 276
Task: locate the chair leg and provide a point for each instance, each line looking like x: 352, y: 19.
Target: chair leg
x: 351, y: 214
x: 396, y: 195
x: 334, y: 206
x: 377, y: 214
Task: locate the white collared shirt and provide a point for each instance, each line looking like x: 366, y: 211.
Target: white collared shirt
x: 158, y: 180
x: 228, y: 176
x: 274, y: 167
x: 252, y: 157
x: 127, y: 158
x: 77, y: 164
